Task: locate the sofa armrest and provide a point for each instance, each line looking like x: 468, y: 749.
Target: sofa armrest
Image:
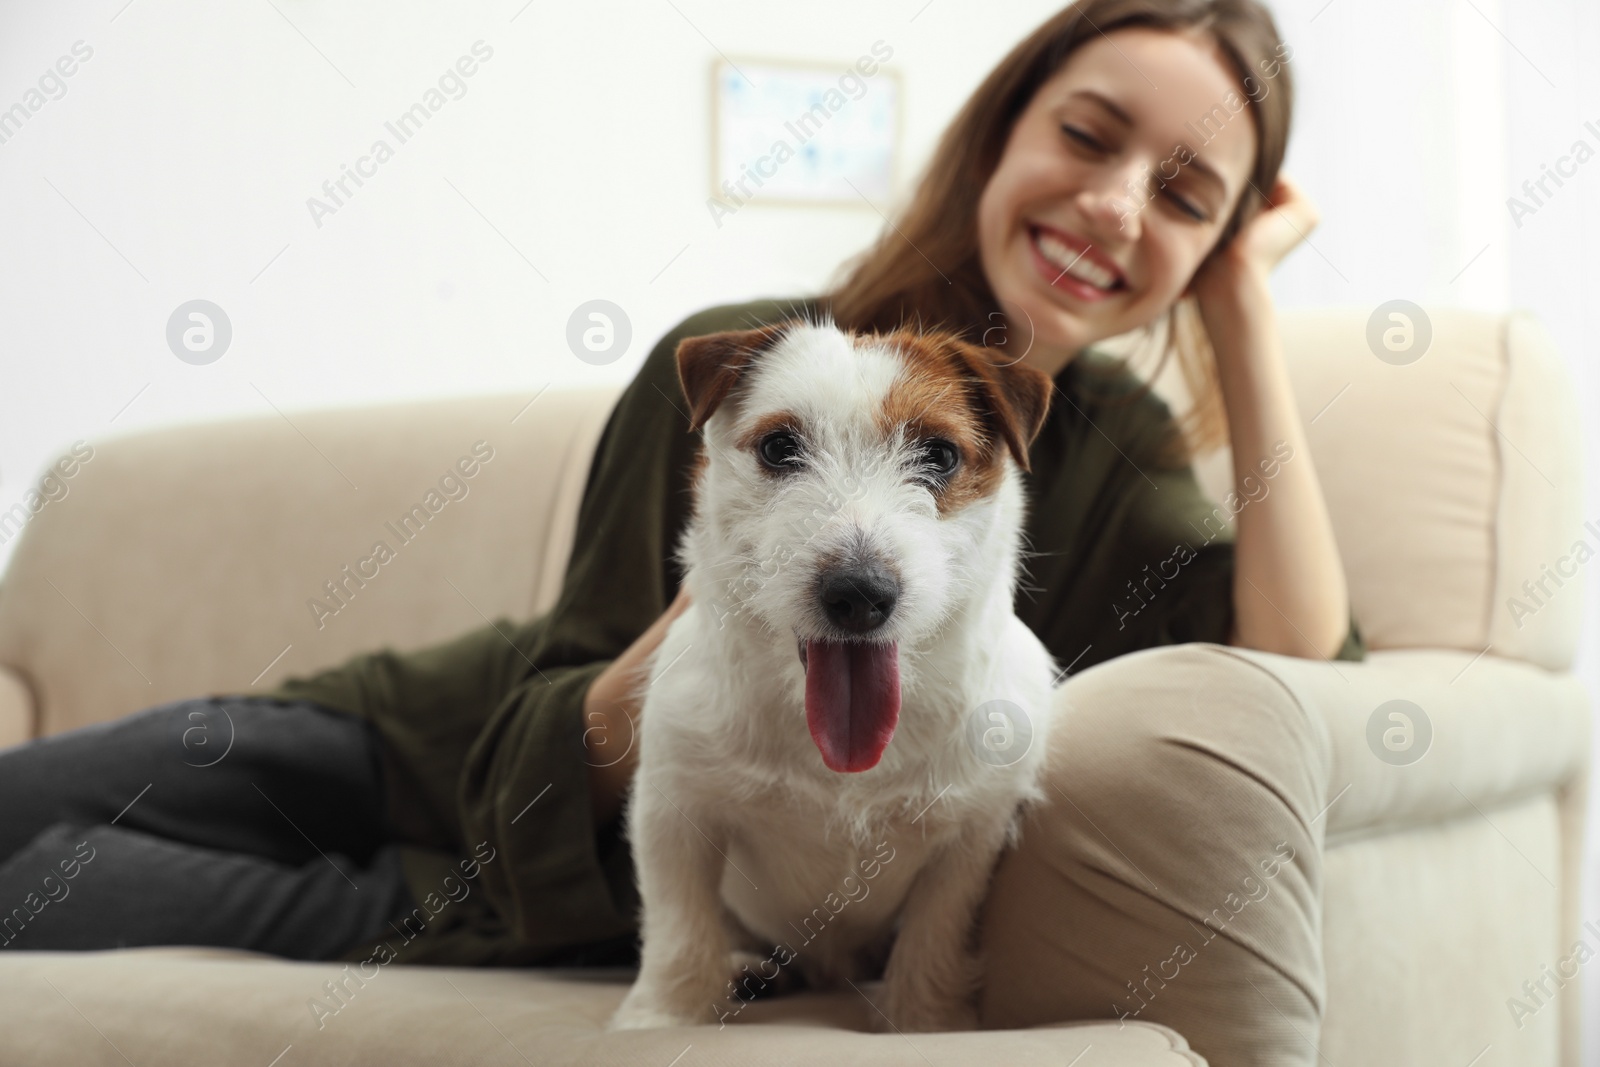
x: 1172, y: 774
x: 17, y: 720
x: 1501, y: 730
x: 1484, y: 731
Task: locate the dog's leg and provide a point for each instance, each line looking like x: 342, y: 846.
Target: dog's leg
x: 683, y: 970
x: 933, y: 973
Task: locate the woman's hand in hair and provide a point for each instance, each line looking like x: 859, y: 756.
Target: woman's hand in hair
x: 611, y: 710
x: 1259, y: 246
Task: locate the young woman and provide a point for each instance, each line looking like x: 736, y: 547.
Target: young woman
x: 1118, y: 171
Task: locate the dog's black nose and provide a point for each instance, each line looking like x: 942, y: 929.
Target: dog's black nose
x: 859, y: 599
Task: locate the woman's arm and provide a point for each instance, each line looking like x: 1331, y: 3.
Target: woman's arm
x: 1289, y: 588
x: 611, y: 716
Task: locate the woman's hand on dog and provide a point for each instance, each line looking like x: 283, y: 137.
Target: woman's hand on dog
x: 611, y: 710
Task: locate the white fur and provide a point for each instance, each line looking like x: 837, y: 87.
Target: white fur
x: 739, y: 830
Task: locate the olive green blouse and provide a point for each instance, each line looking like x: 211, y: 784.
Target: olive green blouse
x: 482, y: 737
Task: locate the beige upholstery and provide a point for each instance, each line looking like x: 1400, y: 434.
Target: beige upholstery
x: 1426, y: 494
x: 1442, y: 880
x: 217, y: 536
x: 1429, y: 498
x: 426, y: 1015
x: 16, y: 709
x: 182, y: 562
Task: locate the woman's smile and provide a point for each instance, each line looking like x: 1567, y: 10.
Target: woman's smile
x: 1071, y: 265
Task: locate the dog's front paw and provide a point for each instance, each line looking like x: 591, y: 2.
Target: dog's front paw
x: 922, y: 1015
x: 641, y: 1019
x: 641, y: 1010
x: 878, y: 1022
x: 936, y: 1020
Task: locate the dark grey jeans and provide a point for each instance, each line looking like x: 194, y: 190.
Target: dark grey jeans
x: 227, y: 822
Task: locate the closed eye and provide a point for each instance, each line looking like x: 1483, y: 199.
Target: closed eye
x: 1182, y: 203
x: 1082, y: 137
x: 1186, y: 207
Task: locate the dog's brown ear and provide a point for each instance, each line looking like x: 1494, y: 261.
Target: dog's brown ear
x: 708, y: 366
x: 1018, y: 397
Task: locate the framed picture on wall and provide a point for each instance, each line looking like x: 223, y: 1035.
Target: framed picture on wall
x: 788, y: 133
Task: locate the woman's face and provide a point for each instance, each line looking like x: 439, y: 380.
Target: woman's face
x: 1108, y: 194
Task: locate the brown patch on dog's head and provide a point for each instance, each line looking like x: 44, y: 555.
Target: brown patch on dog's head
x: 956, y: 391
x: 709, y: 366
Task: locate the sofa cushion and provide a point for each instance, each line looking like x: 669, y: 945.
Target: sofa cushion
x: 95, y: 1008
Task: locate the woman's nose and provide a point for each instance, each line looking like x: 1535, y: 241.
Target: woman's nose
x: 1115, y: 202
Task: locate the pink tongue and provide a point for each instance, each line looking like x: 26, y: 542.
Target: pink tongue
x: 852, y: 701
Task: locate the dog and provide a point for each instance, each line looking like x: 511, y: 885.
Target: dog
x: 818, y: 776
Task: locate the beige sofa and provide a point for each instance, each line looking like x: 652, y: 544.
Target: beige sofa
x: 181, y: 562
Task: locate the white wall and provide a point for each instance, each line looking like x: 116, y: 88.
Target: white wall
x: 179, y: 162
x: 1555, y: 270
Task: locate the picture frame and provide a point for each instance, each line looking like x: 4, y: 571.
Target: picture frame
x: 842, y: 127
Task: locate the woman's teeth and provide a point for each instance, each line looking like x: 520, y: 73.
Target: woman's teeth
x: 1074, y: 264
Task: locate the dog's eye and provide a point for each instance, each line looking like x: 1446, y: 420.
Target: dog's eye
x: 779, y: 450
x: 939, y: 458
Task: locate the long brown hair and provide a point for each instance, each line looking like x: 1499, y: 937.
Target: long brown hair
x: 925, y: 269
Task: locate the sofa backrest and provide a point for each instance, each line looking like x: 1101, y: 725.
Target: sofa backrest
x: 192, y: 560
x: 1451, y: 480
